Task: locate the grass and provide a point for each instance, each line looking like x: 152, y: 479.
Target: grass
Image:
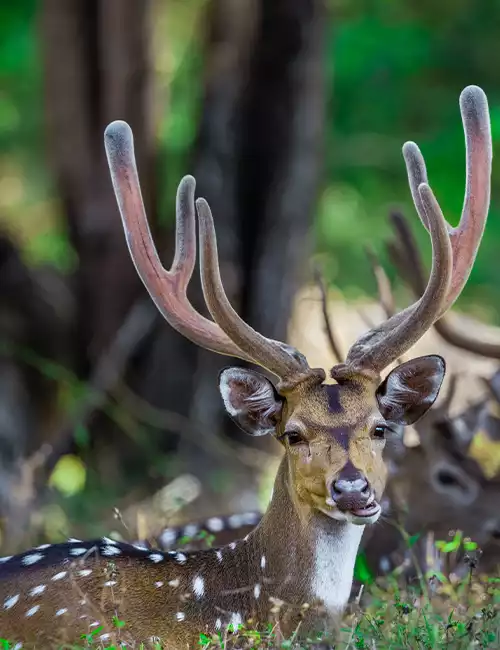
x: 433, y: 610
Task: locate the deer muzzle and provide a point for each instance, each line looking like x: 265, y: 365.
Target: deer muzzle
x: 354, y: 496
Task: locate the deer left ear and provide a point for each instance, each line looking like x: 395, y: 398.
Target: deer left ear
x: 251, y: 400
x: 408, y: 391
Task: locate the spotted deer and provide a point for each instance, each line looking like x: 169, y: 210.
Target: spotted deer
x: 331, y: 479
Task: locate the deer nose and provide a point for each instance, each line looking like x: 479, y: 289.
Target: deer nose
x: 351, y: 494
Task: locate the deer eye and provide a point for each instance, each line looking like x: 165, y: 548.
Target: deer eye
x: 379, y: 431
x: 294, y: 437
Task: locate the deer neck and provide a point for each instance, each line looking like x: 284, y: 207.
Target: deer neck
x: 309, y: 557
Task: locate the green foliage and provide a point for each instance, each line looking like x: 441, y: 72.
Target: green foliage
x: 395, y: 71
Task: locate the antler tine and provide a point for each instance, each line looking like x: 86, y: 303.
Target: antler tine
x: 454, y: 249
x: 407, y: 249
x: 465, y: 238
x: 280, y: 359
x: 384, y: 290
x: 166, y: 288
x: 405, y: 255
x: 334, y: 344
x: 376, y: 349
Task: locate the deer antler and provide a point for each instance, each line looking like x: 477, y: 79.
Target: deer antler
x: 229, y: 335
x: 454, y: 249
x: 330, y: 334
x: 406, y: 258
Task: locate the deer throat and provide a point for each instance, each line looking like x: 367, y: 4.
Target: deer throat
x: 334, y: 548
x: 321, y: 552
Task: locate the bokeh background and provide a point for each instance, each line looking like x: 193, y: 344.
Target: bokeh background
x: 291, y: 116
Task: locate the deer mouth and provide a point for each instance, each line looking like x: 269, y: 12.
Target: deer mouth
x: 367, y: 511
x: 362, y: 516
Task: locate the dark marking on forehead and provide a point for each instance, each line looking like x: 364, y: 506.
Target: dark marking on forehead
x: 333, y: 396
x: 341, y: 436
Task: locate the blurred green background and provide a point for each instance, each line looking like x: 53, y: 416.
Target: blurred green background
x: 394, y: 71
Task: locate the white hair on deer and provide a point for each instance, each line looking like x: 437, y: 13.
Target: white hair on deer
x: 59, y: 576
x: 198, y: 586
x: 225, y: 390
x: 32, y: 558
x: 215, y: 524
x: 263, y: 400
x: 36, y: 591
x: 32, y: 611
x: 10, y: 602
x: 334, y: 558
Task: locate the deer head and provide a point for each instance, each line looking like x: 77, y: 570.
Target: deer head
x: 332, y: 475
x: 332, y: 434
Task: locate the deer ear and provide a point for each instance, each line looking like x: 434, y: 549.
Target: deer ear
x: 408, y: 391
x: 251, y: 400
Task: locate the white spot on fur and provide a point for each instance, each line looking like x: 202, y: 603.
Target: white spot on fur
x: 84, y: 573
x: 5, y: 559
x: 110, y: 583
x: 42, y: 547
x: 168, y: 536
x: 110, y: 550
x: 181, y: 558
x: 334, y: 557
x: 250, y: 518
x: 199, y: 586
x: 263, y: 562
x: 33, y: 558
x: 140, y: 547
x: 10, y: 602
x: 236, y: 620
x: 159, y: 584
x: 73, y: 540
x: 215, y: 524
x: 62, y: 611
x: 218, y: 624
x: 59, y: 576
x: 190, y: 530
x: 180, y: 616
x: 235, y: 521
x: 174, y: 583
x: 107, y: 540
x: 256, y: 591
x: 78, y: 551
x: 156, y: 557
x: 219, y: 555
x: 32, y: 611
x: 36, y: 591
x: 232, y: 545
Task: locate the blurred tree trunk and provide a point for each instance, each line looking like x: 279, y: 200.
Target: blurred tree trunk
x: 97, y: 69
x: 256, y: 160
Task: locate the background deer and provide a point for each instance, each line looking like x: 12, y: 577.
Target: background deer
x: 331, y: 479
x: 444, y: 483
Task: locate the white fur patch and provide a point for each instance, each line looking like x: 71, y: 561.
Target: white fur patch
x: 198, y: 586
x: 334, y: 558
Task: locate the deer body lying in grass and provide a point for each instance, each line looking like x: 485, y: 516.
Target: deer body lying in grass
x: 331, y: 479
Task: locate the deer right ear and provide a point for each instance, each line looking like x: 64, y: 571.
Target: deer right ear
x: 251, y: 400
x: 409, y: 391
